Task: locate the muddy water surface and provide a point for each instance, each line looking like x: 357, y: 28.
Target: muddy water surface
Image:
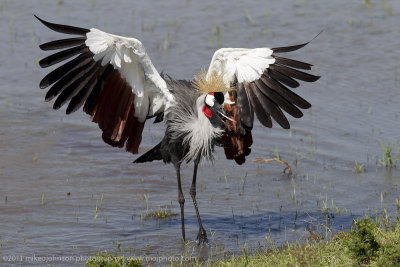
x: 63, y: 192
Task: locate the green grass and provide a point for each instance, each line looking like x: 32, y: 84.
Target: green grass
x: 370, y: 242
x: 109, y: 260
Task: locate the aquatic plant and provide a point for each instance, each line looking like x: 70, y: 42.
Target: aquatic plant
x: 265, y: 28
x: 387, y: 159
x: 250, y: 18
x: 161, y: 213
x: 98, y: 206
x: 216, y: 31
x: 358, y: 168
x: 165, y: 46
x: 368, y: 4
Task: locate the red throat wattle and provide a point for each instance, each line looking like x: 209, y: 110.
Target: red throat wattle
x: 207, y: 111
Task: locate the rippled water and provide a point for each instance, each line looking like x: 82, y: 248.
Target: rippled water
x: 55, y: 170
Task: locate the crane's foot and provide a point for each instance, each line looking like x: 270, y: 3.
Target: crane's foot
x: 288, y: 168
x: 202, y: 237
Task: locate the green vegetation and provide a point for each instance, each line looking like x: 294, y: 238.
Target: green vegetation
x: 370, y: 242
x: 368, y: 4
x: 250, y: 18
x: 358, y: 168
x: 388, y: 159
x: 165, y: 46
x: 98, y: 206
x: 216, y: 31
x: 112, y: 261
x: 161, y: 213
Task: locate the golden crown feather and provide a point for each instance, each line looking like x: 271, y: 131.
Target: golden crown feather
x: 212, y: 83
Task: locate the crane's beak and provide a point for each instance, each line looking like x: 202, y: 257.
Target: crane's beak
x: 226, y: 117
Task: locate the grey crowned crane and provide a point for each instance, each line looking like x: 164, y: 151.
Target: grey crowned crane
x: 114, y: 80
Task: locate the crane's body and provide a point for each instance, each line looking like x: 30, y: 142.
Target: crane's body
x: 113, y: 78
x: 190, y: 136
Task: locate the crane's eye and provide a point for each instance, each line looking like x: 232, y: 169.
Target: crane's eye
x: 219, y: 96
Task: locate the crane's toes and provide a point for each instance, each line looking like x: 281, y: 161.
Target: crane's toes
x: 202, y: 237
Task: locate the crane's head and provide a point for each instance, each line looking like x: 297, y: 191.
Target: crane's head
x: 214, y: 88
x: 213, y: 102
x: 213, y: 108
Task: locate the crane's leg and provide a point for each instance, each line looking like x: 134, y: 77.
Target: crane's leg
x: 181, y: 199
x: 202, y: 235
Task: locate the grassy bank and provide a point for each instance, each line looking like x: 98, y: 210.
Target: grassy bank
x: 370, y: 242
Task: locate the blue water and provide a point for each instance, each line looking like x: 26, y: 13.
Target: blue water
x: 55, y: 169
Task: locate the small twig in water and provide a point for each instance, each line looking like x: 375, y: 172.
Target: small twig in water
x: 261, y: 160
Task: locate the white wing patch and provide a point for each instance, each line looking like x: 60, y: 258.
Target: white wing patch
x: 129, y: 57
x: 246, y: 64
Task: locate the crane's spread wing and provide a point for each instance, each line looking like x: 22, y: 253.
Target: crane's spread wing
x: 111, y: 76
x: 261, y: 79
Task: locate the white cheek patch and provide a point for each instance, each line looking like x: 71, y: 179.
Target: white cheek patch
x: 210, y: 99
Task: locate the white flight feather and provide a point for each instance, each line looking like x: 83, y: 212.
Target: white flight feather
x: 129, y: 57
x: 246, y: 64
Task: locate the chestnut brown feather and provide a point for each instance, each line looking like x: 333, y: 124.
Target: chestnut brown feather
x: 236, y: 145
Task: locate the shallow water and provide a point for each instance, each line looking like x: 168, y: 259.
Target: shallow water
x: 55, y: 170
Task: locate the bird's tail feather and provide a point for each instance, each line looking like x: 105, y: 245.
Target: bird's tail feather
x: 152, y: 154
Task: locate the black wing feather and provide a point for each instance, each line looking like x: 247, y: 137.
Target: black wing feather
x: 64, y: 28
x: 262, y: 116
x: 285, y: 92
x: 67, y: 80
x: 270, y: 107
x: 244, y: 107
x: 76, y: 86
x: 79, y: 99
x: 90, y: 103
x: 63, y: 70
x: 285, y: 49
x: 292, y: 63
x: 63, y: 43
x: 278, y: 99
x: 295, y: 73
x: 63, y: 55
x: 282, y: 77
